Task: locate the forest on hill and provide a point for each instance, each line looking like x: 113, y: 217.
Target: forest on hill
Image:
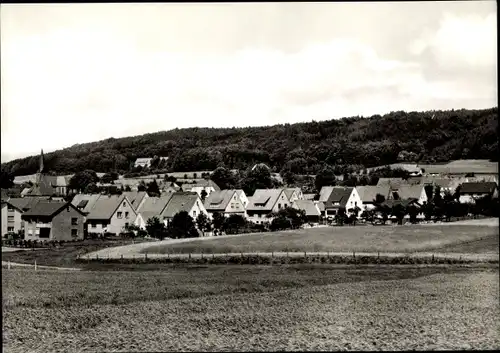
x: 302, y: 148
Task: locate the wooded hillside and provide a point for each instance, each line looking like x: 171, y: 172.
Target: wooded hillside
x: 304, y: 148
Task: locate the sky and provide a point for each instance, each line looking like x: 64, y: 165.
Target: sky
x: 76, y: 73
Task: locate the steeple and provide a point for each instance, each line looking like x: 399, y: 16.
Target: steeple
x: 41, y: 162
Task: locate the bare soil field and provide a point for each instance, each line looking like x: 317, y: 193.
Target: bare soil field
x: 252, y: 308
x: 411, y: 238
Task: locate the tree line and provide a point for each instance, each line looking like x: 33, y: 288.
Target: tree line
x: 302, y: 148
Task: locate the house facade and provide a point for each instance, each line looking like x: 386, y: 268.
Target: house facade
x: 52, y: 220
x: 11, y: 218
x: 183, y: 201
x: 152, y: 207
x: 227, y: 202
x: 294, y: 194
x: 136, y: 198
x: 339, y: 197
x: 470, y: 192
x: 110, y: 213
x: 206, y: 185
x: 368, y: 195
x: 264, y: 203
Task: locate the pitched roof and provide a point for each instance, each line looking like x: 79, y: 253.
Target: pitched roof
x: 4, y: 202
x: 478, y: 188
x: 325, y: 193
x: 85, y: 201
x: 407, y: 192
x: 392, y: 182
x: 47, y: 208
x: 179, y: 201
x: 201, y: 183
x: 368, y: 193
x: 308, y: 206
x: 405, y: 202
x: 289, y: 192
x: 27, y: 202
x: 264, y: 199
x: 105, y: 206
x: 43, y: 185
x: 321, y: 206
x: 338, y: 194
x: 135, y: 197
x: 218, y: 200
x: 153, y: 206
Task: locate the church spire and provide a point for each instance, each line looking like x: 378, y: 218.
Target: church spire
x: 41, y: 162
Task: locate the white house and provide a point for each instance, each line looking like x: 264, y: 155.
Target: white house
x: 207, y: 185
x: 110, y: 213
x: 336, y: 197
x: 183, y: 201
x: 264, y: 202
x: 227, y: 202
x: 11, y: 218
x: 294, y: 194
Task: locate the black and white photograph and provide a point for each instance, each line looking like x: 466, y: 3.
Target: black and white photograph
x: 249, y: 176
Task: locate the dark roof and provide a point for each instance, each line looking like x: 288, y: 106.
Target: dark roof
x: 12, y: 205
x: 27, y: 202
x: 48, y: 208
x: 405, y: 202
x: 180, y: 201
x: 478, y: 188
x: 338, y: 194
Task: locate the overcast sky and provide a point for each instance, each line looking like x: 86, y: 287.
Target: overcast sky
x: 74, y: 73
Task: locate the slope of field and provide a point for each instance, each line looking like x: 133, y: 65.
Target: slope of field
x: 251, y: 308
x: 414, y: 238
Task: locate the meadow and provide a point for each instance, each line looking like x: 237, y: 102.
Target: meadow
x: 243, y: 308
x: 412, y: 238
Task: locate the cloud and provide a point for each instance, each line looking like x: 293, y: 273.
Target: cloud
x: 82, y: 83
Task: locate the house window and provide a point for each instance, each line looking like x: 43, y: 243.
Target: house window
x: 74, y: 232
x: 126, y: 215
x: 10, y: 218
x: 232, y: 205
x: 124, y: 204
x: 93, y: 225
x: 194, y: 213
x: 119, y: 215
x: 10, y: 208
x: 126, y: 224
x: 74, y: 221
x: 279, y: 206
x: 10, y: 229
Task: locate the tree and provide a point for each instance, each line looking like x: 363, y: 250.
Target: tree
x: 258, y: 178
x: 81, y: 180
x: 91, y: 189
x: 108, y: 178
x: 326, y: 177
x: 399, y: 211
x: 203, y: 195
x: 280, y: 223
x: 288, y: 177
x: 142, y: 186
x: 383, y: 210
x: 182, y: 226
x: 156, y: 228
x: 341, y: 216
x: 218, y: 221
x: 153, y: 189
x: 202, y: 222
x: 379, y: 199
x: 127, y: 188
x: 428, y: 210
x: 234, y: 222
x: 412, y: 211
x: 6, y: 180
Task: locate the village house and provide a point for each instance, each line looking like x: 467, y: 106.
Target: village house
x: 309, y: 196
x: 111, y: 214
x: 470, y: 192
x: 409, y: 192
x: 170, y: 188
x: 85, y: 202
x: 313, y: 214
x: 183, y: 201
x: 368, y: 195
x: 227, y: 202
x: 208, y: 185
x: 151, y: 207
x: 243, y: 197
x: 136, y: 198
x: 146, y: 162
x: 264, y: 203
x: 336, y: 197
x: 53, y: 220
x: 11, y: 218
x: 26, y: 203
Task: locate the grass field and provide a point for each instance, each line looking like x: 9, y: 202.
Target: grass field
x: 251, y: 308
x: 338, y: 239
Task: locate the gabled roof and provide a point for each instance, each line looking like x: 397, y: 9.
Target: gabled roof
x: 46, y: 208
x: 86, y: 201
x: 218, y: 200
x: 180, y: 201
x: 335, y: 194
x: 478, y: 188
x: 408, y: 192
x: 308, y: 206
x: 106, y: 206
x: 264, y: 199
x: 392, y: 182
x: 43, y: 185
x: 321, y: 206
x: 289, y: 192
x: 153, y: 206
x: 135, y: 197
x: 368, y: 193
x: 7, y: 203
x: 27, y: 202
x: 405, y: 202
